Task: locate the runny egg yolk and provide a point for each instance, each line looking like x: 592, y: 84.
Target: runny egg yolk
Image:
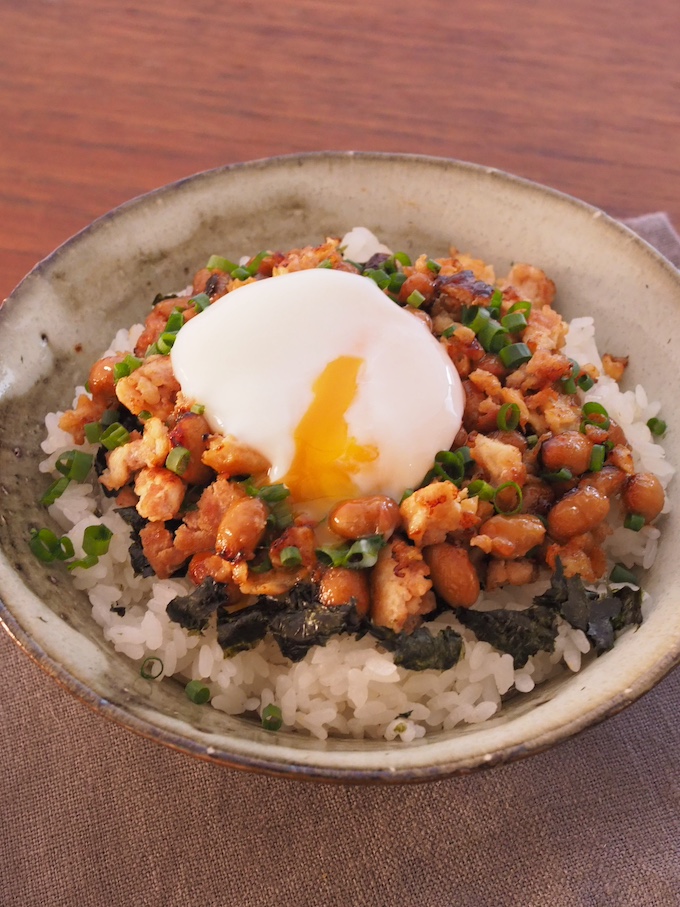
x: 326, y: 455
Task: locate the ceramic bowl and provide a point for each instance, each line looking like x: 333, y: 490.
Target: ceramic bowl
x: 65, y: 311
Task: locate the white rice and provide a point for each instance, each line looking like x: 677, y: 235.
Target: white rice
x: 349, y: 687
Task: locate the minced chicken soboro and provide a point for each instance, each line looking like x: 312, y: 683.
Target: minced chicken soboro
x: 385, y: 616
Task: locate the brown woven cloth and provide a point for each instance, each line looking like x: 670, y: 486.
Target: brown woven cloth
x: 93, y: 815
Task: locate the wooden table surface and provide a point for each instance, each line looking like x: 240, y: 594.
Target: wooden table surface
x: 101, y: 101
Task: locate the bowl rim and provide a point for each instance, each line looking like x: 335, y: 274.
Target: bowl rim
x: 276, y: 767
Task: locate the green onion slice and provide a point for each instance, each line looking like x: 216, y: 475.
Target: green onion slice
x: 415, y: 299
x: 585, y: 382
x: 634, y: 521
x: 74, y: 464
x: 621, y: 574
x: 93, y: 432
x: 96, y: 540
x: 84, y: 563
x: 407, y: 494
x: 241, y: 273
x: 270, y: 494
x: 218, y: 263
x: 433, y: 265
x: 175, y: 321
x: 261, y: 564
x: 378, y: 276
x: 524, y: 307
x: 657, y: 427
x: 475, y: 318
x: 508, y: 417
x: 200, y: 302
x: 198, y: 692
x: 290, y: 556
x: 449, y: 331
x: 481, y: 489
x: 514, y: 322
x: 198, y: 409
x: 55, y: 491
x: 47, y: 547
x: 597, y: 457
x: 126, y: 367
x: 493, y: 336
x: 364, y: 552
x: 151, y: 668
x: 514, y: 355
x: 449, y: 465
x: 144, y: 415
x: 402, y: 258
x: 114, y: 436
x: 495, y: 303
x: 563, y: 475
x: 595, y: 414
x: 272, y: 719
x: 518, y: 492
x: 397, y: 281
x: 177, y: 460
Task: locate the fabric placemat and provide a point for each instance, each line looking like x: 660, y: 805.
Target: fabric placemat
x: 94, y: 815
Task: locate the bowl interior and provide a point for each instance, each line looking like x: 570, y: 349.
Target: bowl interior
x: 65, y: 312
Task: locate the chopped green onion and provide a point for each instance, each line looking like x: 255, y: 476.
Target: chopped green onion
x: 175, y: 321
x: 634, y: 521
x: 93, y: 432
x: 397, y: 281
x: 84, y: 563
x: 563, y: 475
x: 359, y: 555
x: 166, y: 342
x: 595, y: 414
x: 514, y: 322
x: 253, y: 265
x: 518, y: 491
x: 241, y: 273
x: 449, y: 465
x: 493, y: 336
x: 144, y: 415
x: 378, y: 276
x: 402, y: 258
x: 324, y: 264
x: 280, y: 515
x: 198, y: 409
x: 364, y: 552
x: 657, y: 427
x: 55, y: 491
x: 261, y: 564
x: 200, y: 302
x: 272, y: 719
x: 524, y: 306
x: 109, y: 416
x: 178, y: 460
x: 126, y: 367
x: 585, y: 382
x: 96, y: 540
x: 415, y: 299
x: 475, y: 318
x: 495, y: 303
x: 151, y: 668
x: 568, y: 386
x: 197, y: 692
x: 481, y: 489
x: 621, y: 574
x: 270, y: 494
x: 597, y: 457
x: 217, y: 263
x: 449, y: 331
x: 433, y: 265
x: 407, y: 494
x: 74, y: 464
x: 532, y: 441
x: 47, y: 547
x: 290, y: 556
x: 508, y: 417
x: 515, y: 355
x: 114, y: 436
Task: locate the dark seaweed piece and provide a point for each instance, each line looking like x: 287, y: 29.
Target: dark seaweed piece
x: 138, y: 559
x: 420, y: 649
x: 159, y: 297
x: 631, y: 607
x: 297, y: 630
x: 244, y: 629
x: 519, y: 633
x: 599, y: 616
x: 193, y: 611
x: 118, y: 609
x: 127, y: 419
x: 100, y: 465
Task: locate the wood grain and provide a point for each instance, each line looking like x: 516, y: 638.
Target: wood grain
x: 103, y: 101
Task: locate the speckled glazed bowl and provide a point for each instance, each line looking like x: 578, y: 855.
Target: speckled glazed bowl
x: 65, y: 312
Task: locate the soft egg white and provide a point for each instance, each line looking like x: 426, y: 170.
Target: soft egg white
x: 341, y: 389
